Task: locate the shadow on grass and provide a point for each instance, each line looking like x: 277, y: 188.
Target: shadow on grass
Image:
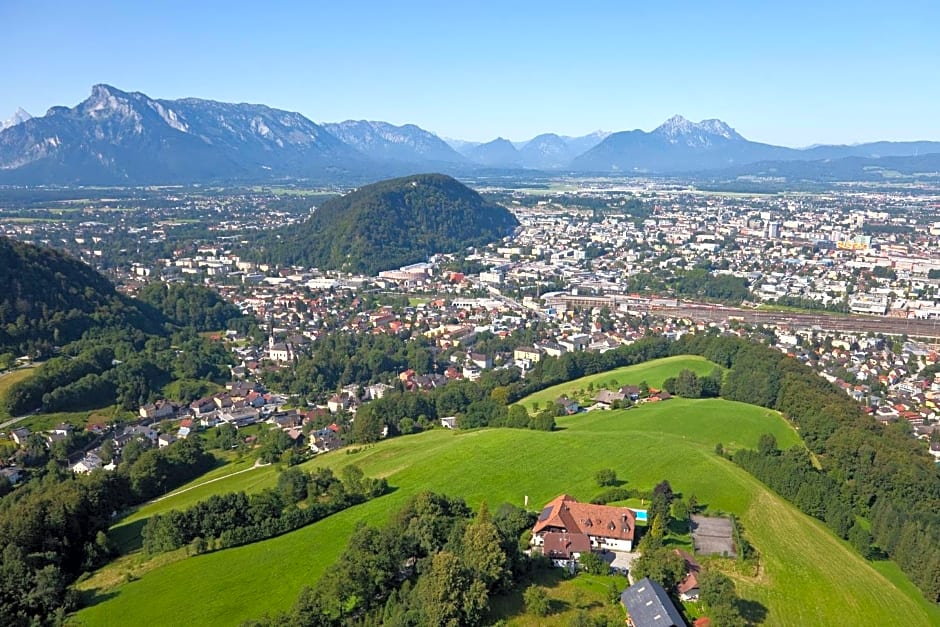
x: 753, y: 612
x: 679, y: 527
x: 94, y: 597
x: 128, y: 537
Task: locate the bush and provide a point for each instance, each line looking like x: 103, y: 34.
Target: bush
x: 606, y: 477
x: 537, y: 601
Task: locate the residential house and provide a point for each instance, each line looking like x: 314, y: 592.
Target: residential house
x: 606, y: 527
x: 223, y: 401
x: 63, y: 429
x: 565, y: 549
x: 140, y: 431
x: 935, y: 449
x: 631, y: 391
x: 203, y: 406
x: 552, y: 349
x: 377, y: 390
x: 87, y: 464
x: 240, y: 417
x: 688, y: 588
x: 20, y: 435
x: 608, y: 398
x: 13, y: 474
x: 338, y: 402
x: 575, y: 343
x: 570, y: 405
x: 648, y: 605
x: 157, y: 411
x: 165, y: 440
x: 529, y: 353
x: 480, y: 360
x: 287, y: 419
x: 324, y: 440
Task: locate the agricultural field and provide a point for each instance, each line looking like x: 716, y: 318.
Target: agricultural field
x: 806, y: 575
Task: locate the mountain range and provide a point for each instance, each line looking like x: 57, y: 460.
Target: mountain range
x: 127, y: 138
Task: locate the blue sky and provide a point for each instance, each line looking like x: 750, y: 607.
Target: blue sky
x: 794, y: 74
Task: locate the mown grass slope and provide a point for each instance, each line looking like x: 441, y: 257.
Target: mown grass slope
x: 807, y: 576
x: 653, y: 372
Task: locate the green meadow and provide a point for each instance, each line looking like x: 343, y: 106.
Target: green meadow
x: 654, y: 373
x: 806, y: 575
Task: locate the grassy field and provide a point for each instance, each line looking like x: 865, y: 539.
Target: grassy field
x: 78, y: 419
x: 654, y: 373
x: 807, y: 576
x: 567, y: 595
x: 236, y: 475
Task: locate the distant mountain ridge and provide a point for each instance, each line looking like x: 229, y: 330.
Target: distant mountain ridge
x: 127, y: 138
x: 682, y: 146
x: 383, y: 141
x: 116, y: 137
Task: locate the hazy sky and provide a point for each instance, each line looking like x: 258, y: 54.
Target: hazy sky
x: 795, y: 74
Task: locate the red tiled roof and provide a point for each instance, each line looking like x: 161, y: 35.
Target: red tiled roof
x: 562, y: 545
x: 566, y: 514
x: 690, y: 582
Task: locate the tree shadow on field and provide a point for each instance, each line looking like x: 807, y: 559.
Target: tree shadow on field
x: 753, y: 612
x: 94, y: 597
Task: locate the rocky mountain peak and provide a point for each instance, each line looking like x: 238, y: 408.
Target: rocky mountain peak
x: 679, y: 127
x: 18, y: 117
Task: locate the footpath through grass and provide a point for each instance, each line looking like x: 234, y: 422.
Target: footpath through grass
x: 807, y: 575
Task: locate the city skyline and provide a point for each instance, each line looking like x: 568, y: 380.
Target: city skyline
x: 791, y: 76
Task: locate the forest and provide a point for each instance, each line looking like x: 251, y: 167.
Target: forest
x: 387, y: 225
x: 53, y: 528
x: 51, y: 299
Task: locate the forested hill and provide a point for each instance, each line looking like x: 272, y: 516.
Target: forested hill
x: 390, y: 224
x: 49, y: 298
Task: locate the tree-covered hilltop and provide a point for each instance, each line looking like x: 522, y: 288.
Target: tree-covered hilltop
x: 51, y: 299
x: 187, y: 305
x: 390, y: 224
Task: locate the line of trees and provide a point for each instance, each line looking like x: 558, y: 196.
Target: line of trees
x: 792, y: 475
x: 433, y: 564
x: 690, y: 385
x: 235, y: 518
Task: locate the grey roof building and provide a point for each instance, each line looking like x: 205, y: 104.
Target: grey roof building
x: 648, y: 605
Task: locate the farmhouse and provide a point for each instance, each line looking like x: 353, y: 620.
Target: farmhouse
x: 567, y: 528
